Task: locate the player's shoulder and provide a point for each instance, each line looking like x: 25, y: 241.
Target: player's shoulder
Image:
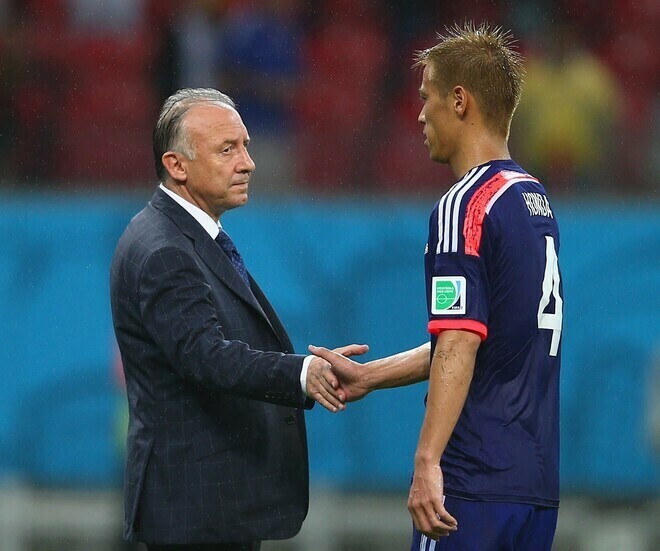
x: 489, y: 191
x: 475, y: 194
x: 495, y: 182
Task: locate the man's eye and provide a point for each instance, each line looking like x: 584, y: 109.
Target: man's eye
x: 227, y: 149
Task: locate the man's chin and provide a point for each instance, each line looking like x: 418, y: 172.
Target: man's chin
x: 237, y: 201
x: 241, y: 199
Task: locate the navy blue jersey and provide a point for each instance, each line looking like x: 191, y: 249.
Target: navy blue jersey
x: 491, y: 268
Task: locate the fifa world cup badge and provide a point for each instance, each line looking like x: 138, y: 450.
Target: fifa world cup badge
x: 448, y: 295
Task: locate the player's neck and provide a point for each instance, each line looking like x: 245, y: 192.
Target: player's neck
x: 477, y: 150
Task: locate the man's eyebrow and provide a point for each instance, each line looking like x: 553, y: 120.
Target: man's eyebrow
x: 234, y: 141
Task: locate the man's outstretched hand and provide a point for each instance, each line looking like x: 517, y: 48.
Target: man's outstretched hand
x: 350, y: 376
x: 322, y: 382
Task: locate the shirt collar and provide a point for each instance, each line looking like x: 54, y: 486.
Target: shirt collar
x: 211, y: 226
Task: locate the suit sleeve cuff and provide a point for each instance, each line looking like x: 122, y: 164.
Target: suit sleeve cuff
x: 303, y: 374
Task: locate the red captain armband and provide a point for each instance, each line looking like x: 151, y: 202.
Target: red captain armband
x: 436, y: 327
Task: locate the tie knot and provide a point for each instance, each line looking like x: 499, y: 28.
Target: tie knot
x: 227, y: 245
x: 225, y: 242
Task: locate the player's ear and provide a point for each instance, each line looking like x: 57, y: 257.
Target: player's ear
x: 176, y: 166
x: 460, y: 97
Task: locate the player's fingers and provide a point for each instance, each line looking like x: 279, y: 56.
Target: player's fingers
x: 328, y: 355
x: 352, y: 350
x: 341, y: 366
x: 437, y: 526
x: 444, y: 517
x: 422, y: 524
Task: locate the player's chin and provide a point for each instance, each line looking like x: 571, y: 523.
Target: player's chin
x: 435, y: 156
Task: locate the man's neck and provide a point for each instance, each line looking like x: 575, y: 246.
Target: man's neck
x: 477, y: 150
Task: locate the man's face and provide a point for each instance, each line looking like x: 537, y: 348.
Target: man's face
x: 217, y: 178
x: 438, y: 117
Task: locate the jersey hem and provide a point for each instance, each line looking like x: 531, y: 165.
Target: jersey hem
x: 528, y: 500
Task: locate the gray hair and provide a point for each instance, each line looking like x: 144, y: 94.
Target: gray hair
x: 169, y: 132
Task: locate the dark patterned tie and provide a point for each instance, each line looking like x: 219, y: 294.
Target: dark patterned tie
x: 227, y: 245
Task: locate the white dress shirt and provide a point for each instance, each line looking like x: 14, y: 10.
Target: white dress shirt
x: 213, y: 229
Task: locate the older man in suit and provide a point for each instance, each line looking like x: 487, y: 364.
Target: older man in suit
x: 217, y: 453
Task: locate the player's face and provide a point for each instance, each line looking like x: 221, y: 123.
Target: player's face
x: 438, y: 117
x: 217, y: 178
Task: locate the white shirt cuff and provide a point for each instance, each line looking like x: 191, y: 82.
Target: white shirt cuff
x: 303, y: 373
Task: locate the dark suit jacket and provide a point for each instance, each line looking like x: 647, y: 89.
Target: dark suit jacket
x: 217, y: 447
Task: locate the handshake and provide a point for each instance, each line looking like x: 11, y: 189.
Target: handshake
x: 333, y: 379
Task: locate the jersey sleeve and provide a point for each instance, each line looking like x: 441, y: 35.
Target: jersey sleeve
x: 456, y: 277
x: 457, y: 294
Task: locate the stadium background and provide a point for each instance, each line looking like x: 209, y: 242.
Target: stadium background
x: 334, y: 232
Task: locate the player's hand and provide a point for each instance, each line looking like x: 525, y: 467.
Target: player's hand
x: 351, y: 375
x: 426, y: 503
x: 323, y: 385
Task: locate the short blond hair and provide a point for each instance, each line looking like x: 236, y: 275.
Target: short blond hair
x: 482, y: 60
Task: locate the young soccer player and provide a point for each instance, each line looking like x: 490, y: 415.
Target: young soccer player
x: 486, y: 465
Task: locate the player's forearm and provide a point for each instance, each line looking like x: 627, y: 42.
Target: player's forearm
x: 404, y: 368
x: 451, y: 372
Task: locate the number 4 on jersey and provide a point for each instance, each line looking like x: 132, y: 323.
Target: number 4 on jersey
x: 551, y: 280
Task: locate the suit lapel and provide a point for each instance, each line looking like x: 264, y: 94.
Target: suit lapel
x: 209, y: 251
x: 274, y: 320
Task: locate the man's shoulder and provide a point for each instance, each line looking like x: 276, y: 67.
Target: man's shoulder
x: 149, y: 230
x: 146, y: 226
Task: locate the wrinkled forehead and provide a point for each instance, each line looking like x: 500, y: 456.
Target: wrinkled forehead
x: 213, y: 116
x: 213, y: 110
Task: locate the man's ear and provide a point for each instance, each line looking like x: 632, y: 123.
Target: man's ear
x: 460, y: 101
x: 176, y: 166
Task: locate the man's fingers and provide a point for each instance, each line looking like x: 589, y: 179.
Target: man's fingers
x: 331, y: 391
x: 330, y: 378
x: 327, y: 405
x: 323, y: 385
x: 328, y: 400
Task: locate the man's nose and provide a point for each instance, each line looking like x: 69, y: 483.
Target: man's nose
x: 246, y: 164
